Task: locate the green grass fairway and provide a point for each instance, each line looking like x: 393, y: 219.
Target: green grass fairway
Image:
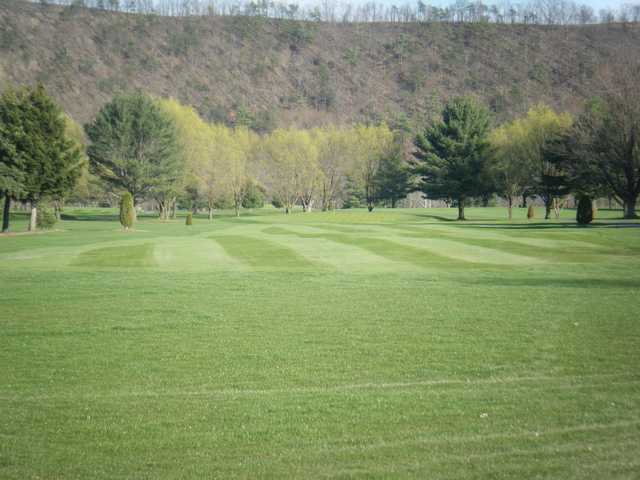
x: 397, y: 344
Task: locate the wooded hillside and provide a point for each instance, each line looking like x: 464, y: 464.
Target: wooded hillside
x: 265, y: 72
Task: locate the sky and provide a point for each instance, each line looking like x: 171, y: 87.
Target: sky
x: 595, y: 4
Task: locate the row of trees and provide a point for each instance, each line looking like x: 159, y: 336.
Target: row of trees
x: 163, y: 151
x: 542, y: 12
x: 545, y: 154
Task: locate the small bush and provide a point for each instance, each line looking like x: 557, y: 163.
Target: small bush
x: 254, y: 196
x: 46, y: 217
x: 584, y: 215
x: 189, y: 220
x: 127, y: 212
x: 277, y: 203
x: 531, y: 212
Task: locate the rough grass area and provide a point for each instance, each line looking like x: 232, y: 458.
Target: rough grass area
x: 340, y: 344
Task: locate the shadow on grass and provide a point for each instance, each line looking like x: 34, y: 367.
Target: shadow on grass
x: 549, y: 226
x: 590, y: 283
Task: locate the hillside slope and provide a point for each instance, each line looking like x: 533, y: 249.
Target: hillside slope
x: 272, y: 72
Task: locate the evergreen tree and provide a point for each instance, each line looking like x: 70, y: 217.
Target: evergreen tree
x: 12, y: 159
x: 134, y: 147
x: 394, y: 178
x: 584, y: 214
x: 35, y: 143
x: 452, y: 153
x: 127, y: 211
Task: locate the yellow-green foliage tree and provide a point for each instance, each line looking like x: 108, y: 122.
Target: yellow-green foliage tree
x: 194, y: 146
x: 240, y: 154
x: 290, y: 161
x: 334, y: 160
x: 510, y: 166
x: 75, y: 134
x: 88, y: 187
x: 541, y: 128
x: 368, y: 144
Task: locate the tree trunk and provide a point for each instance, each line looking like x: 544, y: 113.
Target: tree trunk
x: 5, y: 213
x: 524, y: 201
x: 393, y: 203
x: 173, y: 207
x: 547, y: 208
x: 510, y: 200
x: 630, y: 208
x: 557, y: 206
x: 461, y: 209
x: 162, y: 205
x: 57, y: 208
x: 33, y: 226
x: 210, y: 213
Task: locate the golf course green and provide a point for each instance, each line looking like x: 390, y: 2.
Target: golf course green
x: 397, y: 343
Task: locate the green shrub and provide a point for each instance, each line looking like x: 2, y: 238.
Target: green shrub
x: 254, y: 196
x: 127, y: 212
x: 277, y: 203
x: 531, y: 212
x: 46, y: 217
x: 189, y: 220
x: 584, y: 215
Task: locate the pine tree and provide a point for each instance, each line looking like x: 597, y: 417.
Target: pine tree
x: 452, y: 153
x: 134, y: 147
x: 127, y: 211
x: 11, y: 158
x: 393, y: 178
x: 37, y: 159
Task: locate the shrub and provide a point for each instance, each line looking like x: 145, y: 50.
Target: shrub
x: 254, y: 196
x: 127, y: 212
x: 584, y: 215
x: 46, y: 218
x: 531, y: 212
x: 189, y: 220
x: 277, y: 203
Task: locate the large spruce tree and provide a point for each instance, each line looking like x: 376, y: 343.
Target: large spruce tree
x: 11, y: 157
x: 134, y: 146
x: 452, y: 153
x: 37, y: 158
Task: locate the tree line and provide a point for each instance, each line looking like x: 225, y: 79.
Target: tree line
x: 545, y: 154
x: 533, y: 12
x: 164, y: 154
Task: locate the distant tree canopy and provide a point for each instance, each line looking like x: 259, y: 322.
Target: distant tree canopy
x: 556, y: 12
x: 452, y: 154
x: 38, y: 160
x: 134, y: 146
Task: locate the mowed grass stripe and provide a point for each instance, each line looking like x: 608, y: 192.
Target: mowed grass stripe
x: 564, y: 251
x: 263, y: 254
x: 382, y: 248
x: 340, y: 255
x: 121, y: 256
x: 193, y: 254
